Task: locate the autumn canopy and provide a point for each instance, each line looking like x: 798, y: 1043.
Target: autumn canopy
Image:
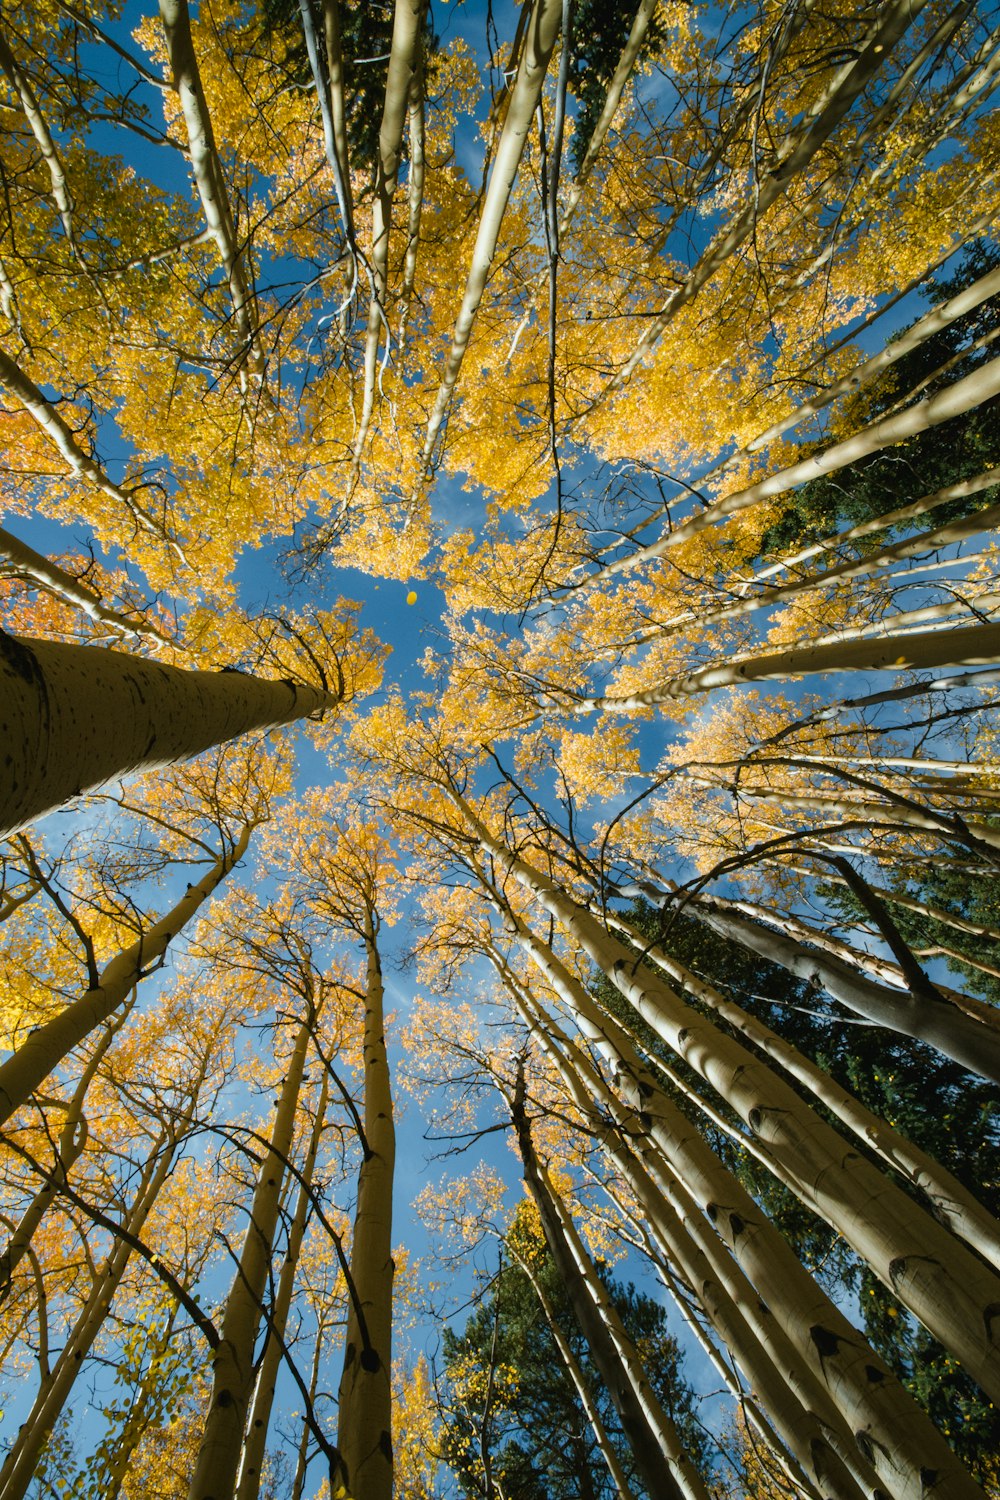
x: 499, y: 595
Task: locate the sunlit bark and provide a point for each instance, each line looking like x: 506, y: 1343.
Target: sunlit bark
x: 76, y: 717
x: 50, y: 1043
x: 364, y: 1434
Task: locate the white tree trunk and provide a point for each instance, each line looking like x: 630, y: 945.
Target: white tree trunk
x: 75, y: 717
x: 49, y: 1044
x: 364, y: 1432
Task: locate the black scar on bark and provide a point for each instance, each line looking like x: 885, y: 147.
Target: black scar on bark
x: 826, y: 1341
x: 21, y: 659
x: 370, y: 1361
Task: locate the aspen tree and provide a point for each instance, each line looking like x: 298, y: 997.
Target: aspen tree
x: 75, y: 717
x: 814, y: 1156
x: 654, y: 1441
x: 951, y: 1201
x: 209, y: 179
x: 216, y: 1471
x: 542, y: 29
x: 258, y: 1420
x: 25, y: 562
x: 878, y: 1415
x: 402, y: 78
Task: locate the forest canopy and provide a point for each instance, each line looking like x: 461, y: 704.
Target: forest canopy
x: 499, y: 766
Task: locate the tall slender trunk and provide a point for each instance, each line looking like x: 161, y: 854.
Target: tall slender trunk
x: 957, y: 1035
x: 404, y: 61
x: 364, y: 1434
x: 252, y: 1461
x: 232, y: 1361
x: 580, y: 1385
x: 806, y: 1417
x: 791, y: 158
x: 49, y: 1044
x: 837, y: 1377
x: 542, y: 30
x: 884, y: 1225
x: 952, y: 1202
x: 659, y: 1454
x: 71, y: 1141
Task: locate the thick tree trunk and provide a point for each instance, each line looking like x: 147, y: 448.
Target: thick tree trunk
x: 75, y: 717
x: 951, y: 1202
x: 364, y: 1433
x: 50, y: 1043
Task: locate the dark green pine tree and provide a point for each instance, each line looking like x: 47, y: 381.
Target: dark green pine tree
x: 935, y: 1103
x: 536, y: 1440
x: 956, y: 450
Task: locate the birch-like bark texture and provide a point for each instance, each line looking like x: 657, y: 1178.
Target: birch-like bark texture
x: 542, y: 30
x: 255, y: 1445
x: 916, y: 650
x: 50, y: 420
x: 217, y: 1465
x: 206, y: 169
x: 404, y: 63
x: 806, y: 1418
x: 583, y: 1391
x: 952, y: 1031
x: 42, y: 571
x: 76, y: 717
x: 875, y: 1414
x: 656, y: 1447
x: 952, y: 1202
x: 43, y: 139
x: 954, y: 401
x: 945, y: 535
x: 364, y: 1431
x: 49, y: 1044
x: 932, y: 1273
x: 415, y: 194
x: 911, y: 338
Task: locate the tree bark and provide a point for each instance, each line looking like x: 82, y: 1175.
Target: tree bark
x: 543, y: 28
x: 48, y: 1044
x: 252, y: 1459
x: 364, y: 1432
x: 666, y: 1470
x: 232, y: 1361
x: 75, y: 717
